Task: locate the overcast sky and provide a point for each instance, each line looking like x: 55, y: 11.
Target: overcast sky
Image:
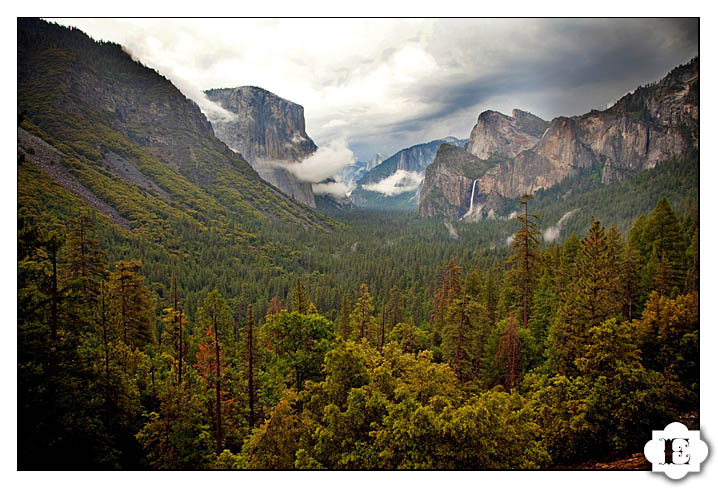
x: 383, y: 85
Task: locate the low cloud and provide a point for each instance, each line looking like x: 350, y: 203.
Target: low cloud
x: 335, y: 189
x: 552, y: 233
x: 399, y: 182
x: 324, y: 163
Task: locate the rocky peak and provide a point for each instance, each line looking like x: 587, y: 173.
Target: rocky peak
x: 498, y: 135
x: 266, y: 128
x: 529, y: 123
x: 449, y: 180
x: 269, y: 132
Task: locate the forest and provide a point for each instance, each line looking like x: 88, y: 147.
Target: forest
x: 533, y: 356
x: 206, y: 320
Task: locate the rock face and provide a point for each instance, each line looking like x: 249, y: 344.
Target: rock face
x: 414, y: 160
x: 269, y: 132
x: 498, y: 135
x: 449, y: 182
x: 524, y: 154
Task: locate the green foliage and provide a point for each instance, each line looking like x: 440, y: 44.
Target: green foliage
x: 298, y: 343
x: 610, y: 350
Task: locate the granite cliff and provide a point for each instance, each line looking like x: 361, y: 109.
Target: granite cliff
x: 523, y: 153
x: 269, y: 132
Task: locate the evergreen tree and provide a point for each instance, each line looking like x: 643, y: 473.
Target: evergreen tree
x: 130, y: 304
x: 588, y: 301
x: 215, y: 313
x: 362, y: 321
x: 508, y: 353
x: 343, y: 320
x: 300, y: 298
x: 523, y: 260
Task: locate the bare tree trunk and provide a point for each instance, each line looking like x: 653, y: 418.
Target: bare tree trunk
x: 250, y: 348
x: 219, y: 402
x: 53, y: 315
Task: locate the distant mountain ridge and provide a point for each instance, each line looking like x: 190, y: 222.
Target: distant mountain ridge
x: 413, y: 159
x: 352, y: 173
x: 653, y: 123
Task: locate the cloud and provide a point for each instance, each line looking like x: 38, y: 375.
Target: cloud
x: 212, y: 110
x: 386, y: 84
x: 552, y: 233
x: 324, y: 163
x: 336, y: 189
x: 397, y: 183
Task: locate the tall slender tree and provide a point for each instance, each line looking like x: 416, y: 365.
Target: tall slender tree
x: 252, y: 390
x: 523, y: 259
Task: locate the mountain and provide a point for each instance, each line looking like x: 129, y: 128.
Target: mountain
x: 496, y: 134
x: 395, y: 182
x: 269, y: 132
x: 523, y: 154
x: 352, y: 173
x: 111, y: 135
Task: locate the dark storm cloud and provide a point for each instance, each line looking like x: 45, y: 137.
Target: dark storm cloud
x: 385, y: 84
x: 559, y: 67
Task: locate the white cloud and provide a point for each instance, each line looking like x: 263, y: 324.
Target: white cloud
x: 324, y: 163
x: 552, y: 233
x: 336, y: 189
x: 386, y: 84
x: 397, y: 183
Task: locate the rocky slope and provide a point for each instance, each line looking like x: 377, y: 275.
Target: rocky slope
x: 269, y: 132
x: 413, y: 160
x: 129, y: 137
x: 524, y: 154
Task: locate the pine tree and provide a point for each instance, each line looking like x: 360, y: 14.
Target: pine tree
x: 508, y: 353
x: 131, y: 306
x: 449, y: 289
x: 216, y: 314
x: 491, y: 297
x: 692, y: 276
x: 394, y: 309
x: 275, y: 306
x: 362, y: 319
x: 86, y: 266
x: 300, y: 298
x: 252, y: 390
x: 543, y: 307
x: 343, y: 320
x: 631, y: 282
x: 523, y: 260
x: 588, y: 301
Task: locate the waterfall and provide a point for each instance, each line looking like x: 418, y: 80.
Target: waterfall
x: 471, y: 205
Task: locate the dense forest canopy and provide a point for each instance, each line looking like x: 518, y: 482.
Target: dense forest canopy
x: 113, y: 375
